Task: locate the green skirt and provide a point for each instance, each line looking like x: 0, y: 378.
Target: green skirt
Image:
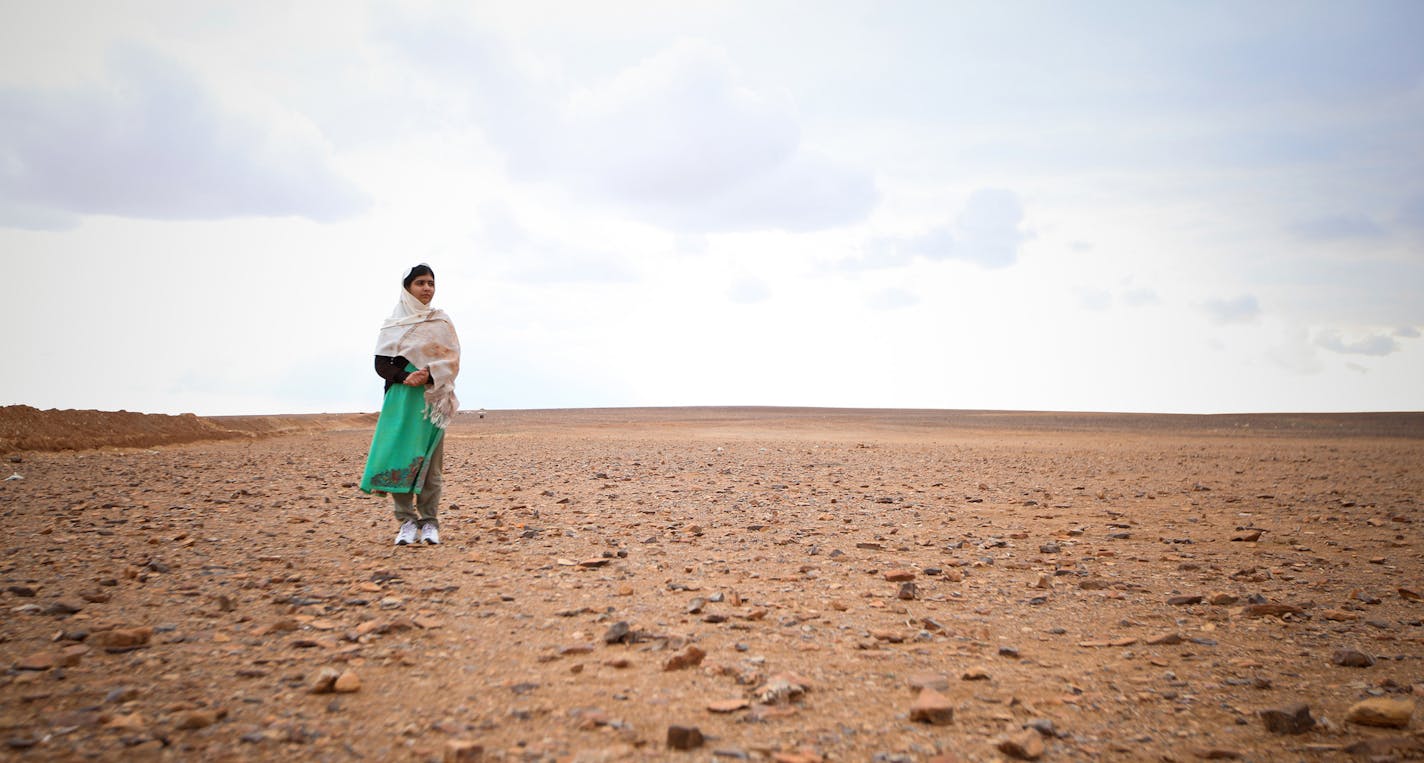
x: 403, y: 443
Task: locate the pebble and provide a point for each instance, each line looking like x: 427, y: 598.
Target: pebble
x: 462, y: 751
x: 1290, y: 719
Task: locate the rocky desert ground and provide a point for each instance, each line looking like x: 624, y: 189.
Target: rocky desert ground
x: 717, y: 585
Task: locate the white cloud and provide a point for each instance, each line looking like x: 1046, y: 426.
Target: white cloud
x: 528, y: 257
x: 1242, y: 309
x: 747, y: 290
x: 892, y: 298
x: 1367, y: 344
x: 1095, y: 299
x: 1342, y: 227
x: 679, y: 139
x: 154, y: 144
x: 988, y: 232
x: 1139, y: 297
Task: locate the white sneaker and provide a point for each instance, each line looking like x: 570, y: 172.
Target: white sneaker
x: 406, y: 536
x: 430, y: 534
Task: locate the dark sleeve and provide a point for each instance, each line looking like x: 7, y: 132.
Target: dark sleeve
x: 391, y: 369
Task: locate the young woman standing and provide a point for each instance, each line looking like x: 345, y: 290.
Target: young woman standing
x: 418, y: 354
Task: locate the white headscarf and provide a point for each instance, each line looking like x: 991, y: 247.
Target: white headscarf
x: 426, y: 337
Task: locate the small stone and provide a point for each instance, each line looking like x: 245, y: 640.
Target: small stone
x: 130, y: 722
x: 1182, y: 601
x: 618, y: 633
x: 1222, y: 599
x: 908, y: 592
x: 38, y: 661
x: 324, y: 682
x: 196, y: 719
x: 728, y: 705
x: 781, y: 688
x: 1166, y: 639
x: 63, y: 607
x: 1025, y: 745
x: 1352, y: 658
x: 1247, y: 537
x: 1291, y: 719
x: 900, y: 576
x: 347, y: 683
x: 461, y: 751
x: 975, y: 674
x: 1271, y: 610
x: 1381, y: 711
x: 121, y: 694
x: 1009, y: 651
x: 690, y: 656
x: 122, y: 639
x: 933, y: 708
x: 684, y: 737
x: 936, y: 681
x: 1043, y: 726
x: 1218, y: 753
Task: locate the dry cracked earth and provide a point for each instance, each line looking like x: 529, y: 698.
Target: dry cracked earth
x: 728, y: 584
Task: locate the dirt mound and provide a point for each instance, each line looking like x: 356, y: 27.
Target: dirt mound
x: 25, y: 428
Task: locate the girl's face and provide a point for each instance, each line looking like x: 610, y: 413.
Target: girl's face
x: 423, y: 288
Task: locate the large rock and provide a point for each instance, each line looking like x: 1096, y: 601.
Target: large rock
x: 1381, y: 711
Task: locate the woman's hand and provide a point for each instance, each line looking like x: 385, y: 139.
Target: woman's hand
x: 419, y: 378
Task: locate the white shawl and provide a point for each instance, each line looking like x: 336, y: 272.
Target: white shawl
x: 426, y: 337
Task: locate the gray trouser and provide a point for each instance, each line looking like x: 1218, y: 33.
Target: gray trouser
x: 421, y: 508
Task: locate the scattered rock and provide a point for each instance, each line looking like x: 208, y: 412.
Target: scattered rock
x: 461, y: 751
x: 684, y: 738
x: 122, y: 639
x: 933, y: 708
x: 347, y: 683
x: 1025, y: 745
x: 1272, y: 610
x: 690, y: 656
x: 1352, y: 658
x: 1291, y: 719
x: 196, y: 719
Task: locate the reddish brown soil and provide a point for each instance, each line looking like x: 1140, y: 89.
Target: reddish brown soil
x: 1048, y: 554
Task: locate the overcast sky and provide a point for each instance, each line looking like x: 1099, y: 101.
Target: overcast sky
x: 1194, y: 207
